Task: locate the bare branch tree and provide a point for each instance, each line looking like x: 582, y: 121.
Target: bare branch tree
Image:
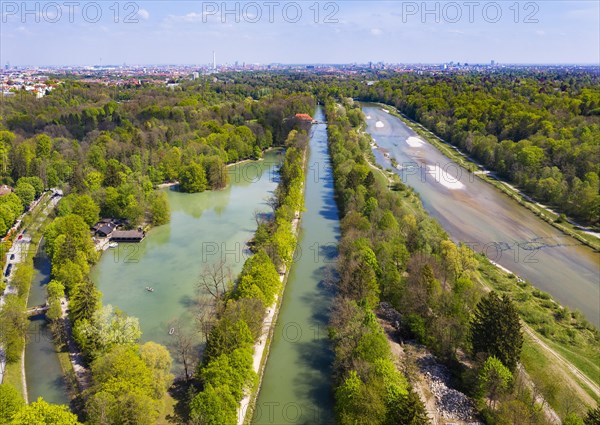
x: 205, y: 317
x: 183, y: 346
x: 273, y: 202
x: 214, y: 279
x: 258, y: 217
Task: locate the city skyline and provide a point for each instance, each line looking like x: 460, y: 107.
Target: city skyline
x: 183, y: 32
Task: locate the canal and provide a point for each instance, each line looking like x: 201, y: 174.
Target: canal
x: 474, y: 212
x: 205, y: 228
x: 296, y: 386
x: 43, y: 373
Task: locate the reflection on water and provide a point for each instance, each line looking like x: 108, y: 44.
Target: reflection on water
x: 489, y: 221
x: 42, y: 369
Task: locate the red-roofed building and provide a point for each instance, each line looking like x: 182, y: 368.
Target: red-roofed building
x: 304, y: 117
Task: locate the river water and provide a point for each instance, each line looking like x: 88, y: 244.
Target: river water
x: 296, y: 386
x: 475, y: 212
x: 204, y: 228
x: 42, y: 369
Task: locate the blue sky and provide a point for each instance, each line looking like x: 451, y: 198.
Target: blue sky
x: 186, y: 32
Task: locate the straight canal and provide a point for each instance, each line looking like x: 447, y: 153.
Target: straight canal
x: 43, y: 372
x: 296, y: 386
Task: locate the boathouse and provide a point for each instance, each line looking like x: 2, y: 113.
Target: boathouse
x: 127, y: 235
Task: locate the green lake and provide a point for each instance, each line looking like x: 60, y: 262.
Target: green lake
x: 204, y: 228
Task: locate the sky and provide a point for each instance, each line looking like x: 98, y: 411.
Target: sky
x: 69, y: 32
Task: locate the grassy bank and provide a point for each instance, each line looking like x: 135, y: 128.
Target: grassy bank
x: 566, y: 332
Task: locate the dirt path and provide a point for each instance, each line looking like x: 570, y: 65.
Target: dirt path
x: 259, y: 349
x: 390, y: 181
x: 82, y: 374
x: 551, y: 415
x: 564, y: 362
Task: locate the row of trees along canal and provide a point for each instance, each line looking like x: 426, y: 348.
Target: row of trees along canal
x: 110, y: 158
x: 226, y: 372
x: 392, y: 250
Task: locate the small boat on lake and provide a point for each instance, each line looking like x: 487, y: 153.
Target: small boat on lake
x: 171, y: 331
x: 149, y: 289
x: 113, y: 245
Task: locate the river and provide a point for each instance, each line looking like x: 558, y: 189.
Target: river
x: 296, y: 386
x: 474, y: 212
x: 204, y: 228
x: 43, y: 373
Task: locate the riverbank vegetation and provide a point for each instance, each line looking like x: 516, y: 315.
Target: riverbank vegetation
x: 392, y: 251
x: 109, y: 149
x: 116, y: 147
x: 14, y: 411
x: 536, y: 130
x: 226, y: 371
x: 108, y: 156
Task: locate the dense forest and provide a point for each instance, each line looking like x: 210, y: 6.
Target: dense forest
x: 117, y: 147
x: 108, y: 156
x: 540, y: 132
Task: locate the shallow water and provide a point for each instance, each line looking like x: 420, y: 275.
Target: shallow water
x: 42, y: 369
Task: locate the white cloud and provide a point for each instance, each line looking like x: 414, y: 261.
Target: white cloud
x: 144, y: 14
x: 376, y: 31
x: 188, y: 17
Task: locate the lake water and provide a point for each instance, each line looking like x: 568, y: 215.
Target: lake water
x: 204, y: 228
